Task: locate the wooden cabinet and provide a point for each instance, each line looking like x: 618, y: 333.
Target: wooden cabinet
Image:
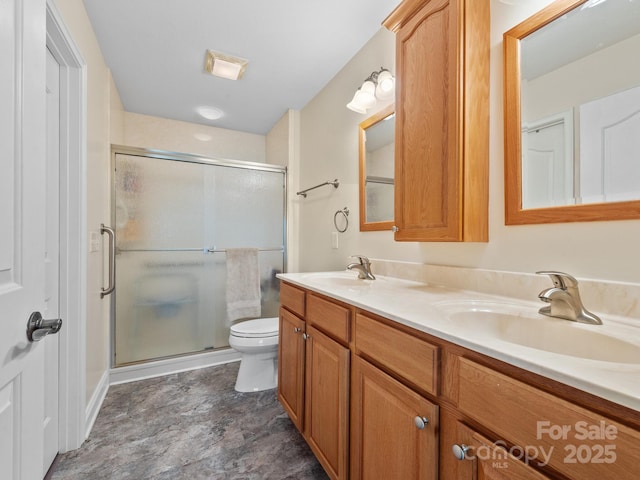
x: 394, y: 430
x: 293, y: 299
x: 327, y: 402
x: 291, y: 356
x: 313, y: 375
x: 407, y: 356
x: 570, y: 439
x: 481, y: 459
x: 442, y: 119
x: 360, y: 387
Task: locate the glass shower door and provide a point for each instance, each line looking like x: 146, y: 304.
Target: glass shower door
x: 174, y: 220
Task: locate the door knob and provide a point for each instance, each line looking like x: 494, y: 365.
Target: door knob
x: 420, y: 422
x: 460, y: 451
x: 38, y: 327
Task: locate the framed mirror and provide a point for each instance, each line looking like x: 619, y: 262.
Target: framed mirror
x: 376, y: 138
x: 572, y: 113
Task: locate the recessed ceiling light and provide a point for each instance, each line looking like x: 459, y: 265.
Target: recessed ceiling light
x: 225, y: 66
x: 210, y: 113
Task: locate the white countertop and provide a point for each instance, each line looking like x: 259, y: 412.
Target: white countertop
x: 424, y: 307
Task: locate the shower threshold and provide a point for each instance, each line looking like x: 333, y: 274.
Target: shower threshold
x: 141, y: 370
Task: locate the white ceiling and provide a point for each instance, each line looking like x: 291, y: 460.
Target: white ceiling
x: 156, y: 52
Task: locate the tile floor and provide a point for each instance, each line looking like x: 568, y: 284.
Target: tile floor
x: 191, y: 425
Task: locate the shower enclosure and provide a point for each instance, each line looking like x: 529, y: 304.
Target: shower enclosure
x: 175, y: 215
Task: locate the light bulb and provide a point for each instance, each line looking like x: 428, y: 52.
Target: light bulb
x: 386, y: 85
x: 365, y: 97
x: 354, y: 105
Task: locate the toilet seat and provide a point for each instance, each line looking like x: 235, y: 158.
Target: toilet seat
x: 258, y: 328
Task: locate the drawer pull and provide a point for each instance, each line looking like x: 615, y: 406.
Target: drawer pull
x: 460, y: 451
x: 420, y: 422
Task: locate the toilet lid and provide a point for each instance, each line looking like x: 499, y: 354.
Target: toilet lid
x: 260, y: 327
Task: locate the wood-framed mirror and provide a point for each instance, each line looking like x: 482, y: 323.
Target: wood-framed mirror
x: 572, y: 114
x: 376, y: 156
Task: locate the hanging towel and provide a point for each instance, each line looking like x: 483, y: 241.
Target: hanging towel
x: 243, y: 283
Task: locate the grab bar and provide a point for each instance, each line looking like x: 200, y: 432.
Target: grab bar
x: 112, y: 260
x: 335, y: 184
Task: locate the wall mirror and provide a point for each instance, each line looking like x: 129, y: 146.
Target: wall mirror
x: 376, y: 137
x: 572, y: 113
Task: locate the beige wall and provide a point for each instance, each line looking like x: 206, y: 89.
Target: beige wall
x: 283, y: 148
x: 116, y: 115
x: 98, y: 118
x: 277, y: 142
x: 174, y: 136
x: 329, y: 150
x: 598, y: 250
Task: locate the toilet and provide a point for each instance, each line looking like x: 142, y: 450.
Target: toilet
x: 257, y: 340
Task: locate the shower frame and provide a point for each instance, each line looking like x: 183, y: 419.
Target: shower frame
x: 188, y: 158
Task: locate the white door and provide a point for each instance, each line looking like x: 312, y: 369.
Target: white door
x: 610, y: 148
x: 547, y: 168
x: 22, y: 235
x: 52, y: 261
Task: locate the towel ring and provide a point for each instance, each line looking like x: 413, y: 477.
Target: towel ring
x: 345, y: 214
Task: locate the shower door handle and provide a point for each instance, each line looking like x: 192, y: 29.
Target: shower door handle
x: 112, y: 260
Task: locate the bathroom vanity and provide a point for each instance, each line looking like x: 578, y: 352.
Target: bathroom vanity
x: 391, y: 378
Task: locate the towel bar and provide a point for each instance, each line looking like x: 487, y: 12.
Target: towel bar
x: 335, y: 184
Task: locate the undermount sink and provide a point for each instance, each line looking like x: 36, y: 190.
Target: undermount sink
x: 516, y: 325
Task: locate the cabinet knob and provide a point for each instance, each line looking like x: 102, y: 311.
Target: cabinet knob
x: 296, y: 330
x: 420, y: 422
x: 306, y: 336
x: 395, y: 229
x: 460, y: 451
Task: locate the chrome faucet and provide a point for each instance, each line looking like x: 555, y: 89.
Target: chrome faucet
x: 564, y: 300
x: 363, y: 266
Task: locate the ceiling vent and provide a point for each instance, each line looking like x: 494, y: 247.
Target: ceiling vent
x: 225, y: 66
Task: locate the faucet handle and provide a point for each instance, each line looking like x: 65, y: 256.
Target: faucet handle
x: 560, y: 279
x: 361, y: 258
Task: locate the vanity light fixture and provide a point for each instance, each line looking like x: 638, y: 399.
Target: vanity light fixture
x: 377, y: 86
x: 225, y: 66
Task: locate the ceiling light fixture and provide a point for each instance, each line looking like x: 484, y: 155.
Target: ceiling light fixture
x: 378, y: 86
x: 210, y: 113
x: 225, y: 66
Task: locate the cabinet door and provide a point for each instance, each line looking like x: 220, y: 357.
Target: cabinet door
x: 386, y: 441
x: 428, y: 169
x: 481, y: 459
x: 291, y: 366
x: 442, y: 120
x: 327, y: 402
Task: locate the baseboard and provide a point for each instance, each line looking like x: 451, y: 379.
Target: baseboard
x: 132, y: 373
x: 93, y: 407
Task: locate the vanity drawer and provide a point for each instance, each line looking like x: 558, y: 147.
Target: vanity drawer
x: 331, y: 318
x: 583, y: 444
x: 410, y: 357
x: 292, y: 298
